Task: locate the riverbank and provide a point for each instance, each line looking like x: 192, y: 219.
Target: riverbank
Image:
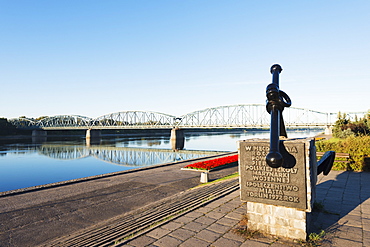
x: 38, y: 216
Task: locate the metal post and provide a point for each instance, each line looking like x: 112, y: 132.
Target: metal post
x: 276, y: 101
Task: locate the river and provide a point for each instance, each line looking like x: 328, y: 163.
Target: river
x: 24, y: 163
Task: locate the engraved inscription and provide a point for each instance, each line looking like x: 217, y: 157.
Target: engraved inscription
x: 280, y: 186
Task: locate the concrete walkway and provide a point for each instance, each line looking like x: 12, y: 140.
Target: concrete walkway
x: 38, y: 216
x: 345, y: 218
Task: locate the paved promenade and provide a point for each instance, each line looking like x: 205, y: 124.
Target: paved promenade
x: 38, y: 216
x: 43, y: 217
x: 345, y: 218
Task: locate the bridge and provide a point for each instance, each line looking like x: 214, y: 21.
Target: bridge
x: 234, y: 116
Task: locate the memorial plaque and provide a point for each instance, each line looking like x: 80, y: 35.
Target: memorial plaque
x: 283, y: 186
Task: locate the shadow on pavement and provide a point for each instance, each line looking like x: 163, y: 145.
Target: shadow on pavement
x: 340, y: 200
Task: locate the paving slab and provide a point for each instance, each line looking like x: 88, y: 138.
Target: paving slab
x: 216, y: 227
x: 253, y: 243
x: 208, y: 235
x: 167, y: 241
x: 222, y: 242
x: 228, y: 221
x: 142, y: 241
x: 192, y: 242
x: 205, y: 220
x: 158, y: 233
x: 182, y: 234
x: 184, y: 219
x: 215, y: 215
x: 195, y: 226
x: 172, y: 226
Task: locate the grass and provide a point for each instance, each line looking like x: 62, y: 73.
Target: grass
x: 220, y: 179
x: 208, y: 199
x: 314, y: 239
x: 236, y: 174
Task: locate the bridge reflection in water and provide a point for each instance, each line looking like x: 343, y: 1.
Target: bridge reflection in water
x: 122, y: 156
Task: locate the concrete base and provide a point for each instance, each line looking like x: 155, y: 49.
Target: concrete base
x: 277, y: 220
x: 204, y: 177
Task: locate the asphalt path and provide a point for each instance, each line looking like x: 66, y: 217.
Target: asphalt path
x: 37, y: 216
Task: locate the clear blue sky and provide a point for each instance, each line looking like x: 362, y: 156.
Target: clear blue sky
x: 90, y: 57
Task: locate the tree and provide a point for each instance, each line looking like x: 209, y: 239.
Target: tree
x: 344, y: 127
x: 6, y: 128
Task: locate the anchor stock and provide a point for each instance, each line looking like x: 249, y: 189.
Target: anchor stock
x: 277, y: 100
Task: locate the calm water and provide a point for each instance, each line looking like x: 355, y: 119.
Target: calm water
x: 24, y: 164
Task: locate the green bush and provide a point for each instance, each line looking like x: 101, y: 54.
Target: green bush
x: 357, y: 147
x: 345, y: 127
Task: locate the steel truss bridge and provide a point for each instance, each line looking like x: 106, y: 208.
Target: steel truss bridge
x: 122, y: 156
x: 234, y: 116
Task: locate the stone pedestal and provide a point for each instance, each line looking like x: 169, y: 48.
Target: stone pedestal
x: 279, y: 200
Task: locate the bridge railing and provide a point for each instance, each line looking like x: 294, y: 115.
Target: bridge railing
x: 234, y: 116
x: 65, y: 121
x: 134, y: 119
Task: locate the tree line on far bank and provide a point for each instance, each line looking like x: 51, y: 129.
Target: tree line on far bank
x: 7, y: 128
x: 352, y: 137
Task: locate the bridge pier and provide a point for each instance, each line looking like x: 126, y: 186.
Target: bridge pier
x: 93, y: 137
x: 329, y: 130
x: 177, y: 139
x: 39, y: 136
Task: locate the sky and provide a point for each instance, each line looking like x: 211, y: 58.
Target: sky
x: 91, y: 58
